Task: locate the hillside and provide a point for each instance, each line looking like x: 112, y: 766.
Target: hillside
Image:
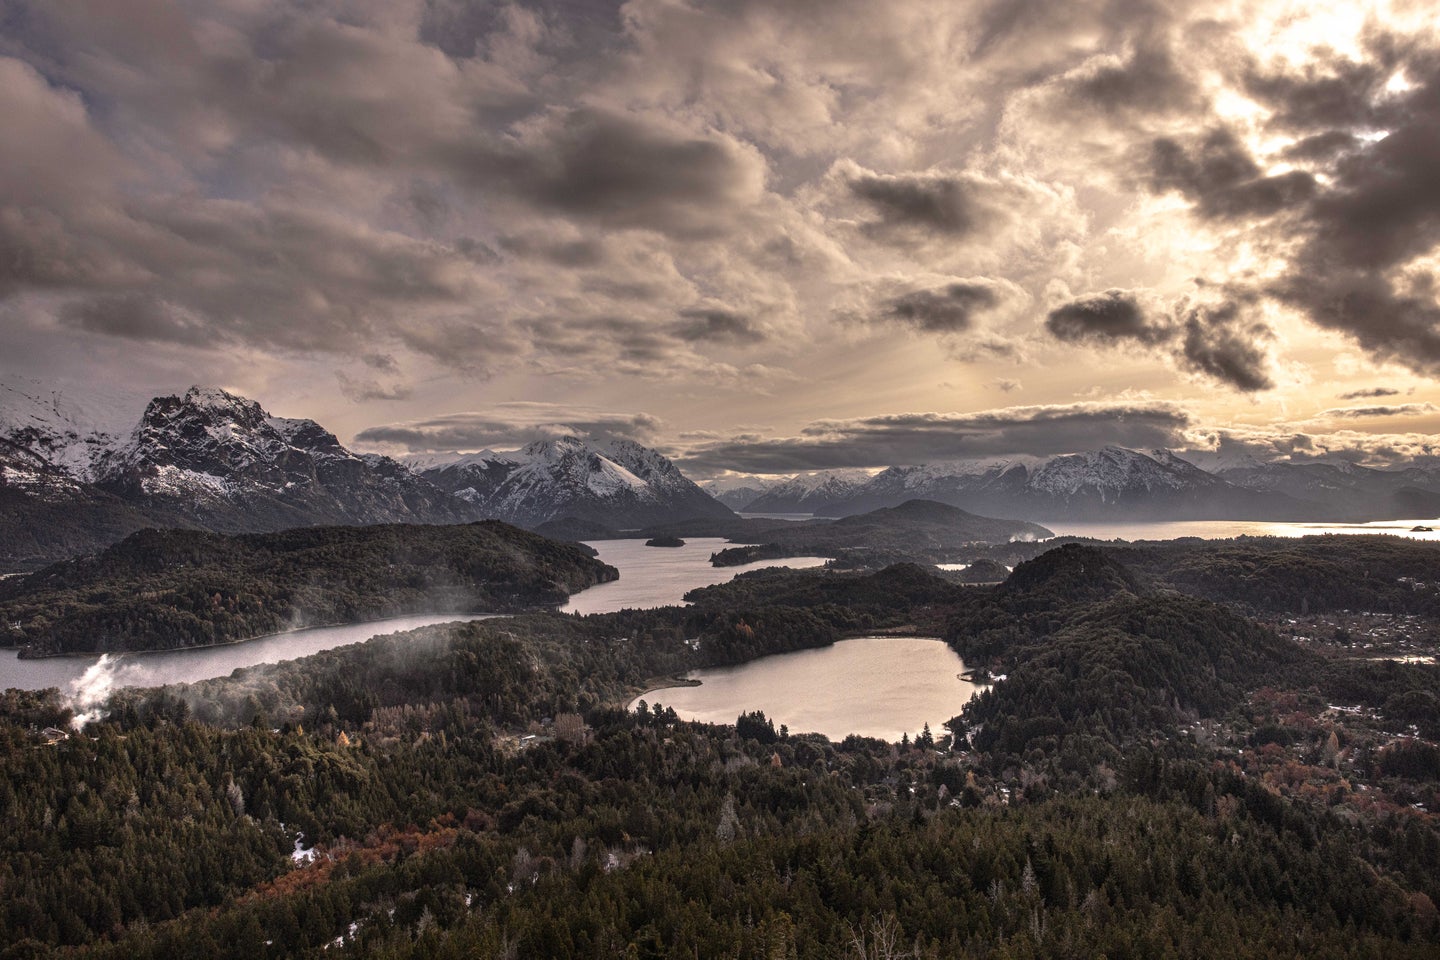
x: 1299, y: 575
x: 1133, y: 787
x: 915, y: 530
x: 164, y: 589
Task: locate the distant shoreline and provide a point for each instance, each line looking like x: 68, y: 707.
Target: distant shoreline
x: 80, y: 655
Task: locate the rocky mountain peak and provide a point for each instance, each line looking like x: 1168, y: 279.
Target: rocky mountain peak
x: 615, y: 481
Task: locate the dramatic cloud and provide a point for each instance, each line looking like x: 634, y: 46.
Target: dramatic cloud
x: 951, y: 308
x: 1366, y: 262
x: 1213, y: 338
x: 506, y: 426
x: 625, y: 171
x: 925, y: 437
x: 1398, y: 410
x: 1218, y: 173
x: 1225, y: 447
x: 1370, y: 393
x: 1353, y: 232
x: 1109, y: 318
x: 714, y: 324
x: 1220, y: 342
x: 932, y: 202
x: 1149, y: 80
x: 761, y: 210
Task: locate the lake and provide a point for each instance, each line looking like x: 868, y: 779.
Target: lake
x: 1226, y: 529
x: 649, y: 577
x: 658, y: 576
x: 873, y: 686
x: 1210, y: 529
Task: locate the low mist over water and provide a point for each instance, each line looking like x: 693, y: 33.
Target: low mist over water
x: 873, y: 686
x: 90, y: 679
x: 649, y: 577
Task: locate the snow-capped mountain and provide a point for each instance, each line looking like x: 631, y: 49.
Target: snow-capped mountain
x: 739, y: 490
x: 472, y: 477
x: 66, y: 430
x: 222, y: 462
x: 810, y: 492
x: 48, y: 444
x: 1107, y: 483
x: 1345, y: 488
x: 73, y: 482
x: 616, y: 482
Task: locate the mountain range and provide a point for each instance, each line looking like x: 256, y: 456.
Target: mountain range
x: 616, y: 482
x: 72, y: 482
x: 1111, y: 483
x: 75, y: 477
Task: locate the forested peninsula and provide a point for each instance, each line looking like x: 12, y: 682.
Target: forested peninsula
x: 1150, y: 774
x: 167, y: 589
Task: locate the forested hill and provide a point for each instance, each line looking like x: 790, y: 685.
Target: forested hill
x: 1299, y: 575
x: 916, y: 529
x: 1096, y: 661
x: 165, y: 589
x: 469, y: 790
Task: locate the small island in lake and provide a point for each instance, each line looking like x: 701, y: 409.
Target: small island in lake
x: 665, y: 540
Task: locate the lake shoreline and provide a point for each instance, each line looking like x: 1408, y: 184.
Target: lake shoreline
x: 655, y: 685
x: 460, y: 616
x: 876, y: 685
x: 649, y: 578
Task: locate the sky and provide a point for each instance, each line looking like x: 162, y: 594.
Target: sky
x: 762, y: 237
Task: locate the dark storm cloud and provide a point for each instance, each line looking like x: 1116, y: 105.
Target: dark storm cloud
x: 135, y: 317
x: 719, y: 326
x: 1109, y: 318
x: 1221, y: 343
x: 1323, y: 147
x: 1329, y: 93
x: 928, y: 437
x: 625, y: 171
x: 275, y: 278
x: 1150, y: 80
x: 941, y: 204
x: 506, y: 426
x: 1351, y: 231
x: 1360, y: 236
x: 1370, y: 393
x: 947, y: 309
x: 1395, y: 410
x: 1214, y: 338
x: 254, y: 230
x: 1219, y: 175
